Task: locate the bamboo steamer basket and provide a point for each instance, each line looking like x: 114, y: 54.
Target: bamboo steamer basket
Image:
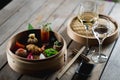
x: 77, y: 32
x: 25, y: 66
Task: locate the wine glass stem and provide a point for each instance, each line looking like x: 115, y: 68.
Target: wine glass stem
x: 100, y: 48
x: 87, y: 46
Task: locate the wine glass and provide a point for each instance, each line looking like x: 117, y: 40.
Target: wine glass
x: 101, y: 32
x: 87, y: 16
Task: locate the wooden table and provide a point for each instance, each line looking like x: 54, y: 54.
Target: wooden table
x: 16, y: 16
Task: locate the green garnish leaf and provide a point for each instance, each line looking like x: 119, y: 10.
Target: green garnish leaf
x: 49, y: 52
x: 30, y: 27
x: 57, y: 43
x: 47, y: 26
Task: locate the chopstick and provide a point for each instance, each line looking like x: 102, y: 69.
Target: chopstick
x: 70, y: 63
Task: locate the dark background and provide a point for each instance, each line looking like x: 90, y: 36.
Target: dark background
x: 3, y: 3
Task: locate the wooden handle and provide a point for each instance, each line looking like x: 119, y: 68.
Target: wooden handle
x: 70, y: 63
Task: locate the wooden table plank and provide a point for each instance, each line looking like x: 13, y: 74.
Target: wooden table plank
x: 8, y: 74
x: 12, y: 24
x: 42, y: 15
x: 3, y: 58
x: 112, y: 70
x: 11, y: 9
x: 59, y: 17
x: 104, y: 7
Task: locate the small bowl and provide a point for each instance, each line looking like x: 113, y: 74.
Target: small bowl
x: 27, y: 66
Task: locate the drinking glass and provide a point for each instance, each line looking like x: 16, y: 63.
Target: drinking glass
x: 88, y: 16
x: 101, y: 32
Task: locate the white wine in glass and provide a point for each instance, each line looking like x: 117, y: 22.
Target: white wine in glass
x: 88, y: 16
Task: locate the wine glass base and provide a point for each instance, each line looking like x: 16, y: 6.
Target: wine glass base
x: 99, y: 58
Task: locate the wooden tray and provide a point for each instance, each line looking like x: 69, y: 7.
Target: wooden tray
x: 29, y: 66
x: 77, y: 32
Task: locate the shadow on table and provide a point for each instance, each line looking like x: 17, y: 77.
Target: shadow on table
x: 41, y: 75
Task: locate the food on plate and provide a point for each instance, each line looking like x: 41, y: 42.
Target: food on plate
x: 17, y: 46
x: 21, y: 52
x: 33, y: 49
x: 42, y: 56
x: 30, y: 56
x: 57, y: 45
x: 49, y: 52
x: 45, y: 32
x: 32, y: 39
